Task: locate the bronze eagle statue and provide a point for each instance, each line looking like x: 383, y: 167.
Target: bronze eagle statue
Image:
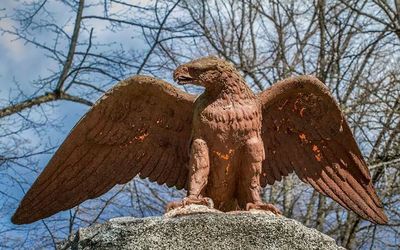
x: 223, y: 145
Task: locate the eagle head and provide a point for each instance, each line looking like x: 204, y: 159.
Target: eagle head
x: 205, y: 71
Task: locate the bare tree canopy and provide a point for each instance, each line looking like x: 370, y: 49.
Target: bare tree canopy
x: 60, y: 56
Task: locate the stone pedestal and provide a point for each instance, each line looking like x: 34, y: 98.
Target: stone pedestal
x: 202, y: 229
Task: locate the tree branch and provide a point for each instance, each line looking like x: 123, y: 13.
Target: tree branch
x: 35, y: 101
x: 72, y: 47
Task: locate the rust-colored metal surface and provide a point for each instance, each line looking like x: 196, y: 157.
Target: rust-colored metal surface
x: 222, y: 146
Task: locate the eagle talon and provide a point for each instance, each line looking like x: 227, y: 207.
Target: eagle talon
x: 205, y: 201
x: 263, y: 206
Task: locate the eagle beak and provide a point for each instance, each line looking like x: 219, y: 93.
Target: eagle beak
x: 182, y: 76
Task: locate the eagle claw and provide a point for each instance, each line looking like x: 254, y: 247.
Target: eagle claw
x: 263, y: 206
x: 205, y: 201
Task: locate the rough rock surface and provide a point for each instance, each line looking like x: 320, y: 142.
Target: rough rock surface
x: 201, y: 230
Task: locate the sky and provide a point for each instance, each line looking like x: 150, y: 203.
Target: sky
x: 16, y: 58
x: 21, y: 64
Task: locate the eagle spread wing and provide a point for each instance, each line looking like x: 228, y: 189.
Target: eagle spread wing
x: 141, y: 126
x: 304, y: 131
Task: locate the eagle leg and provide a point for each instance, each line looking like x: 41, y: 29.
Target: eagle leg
x: 249, y: 185
x: 250, y: 197
x: 199, y: 169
